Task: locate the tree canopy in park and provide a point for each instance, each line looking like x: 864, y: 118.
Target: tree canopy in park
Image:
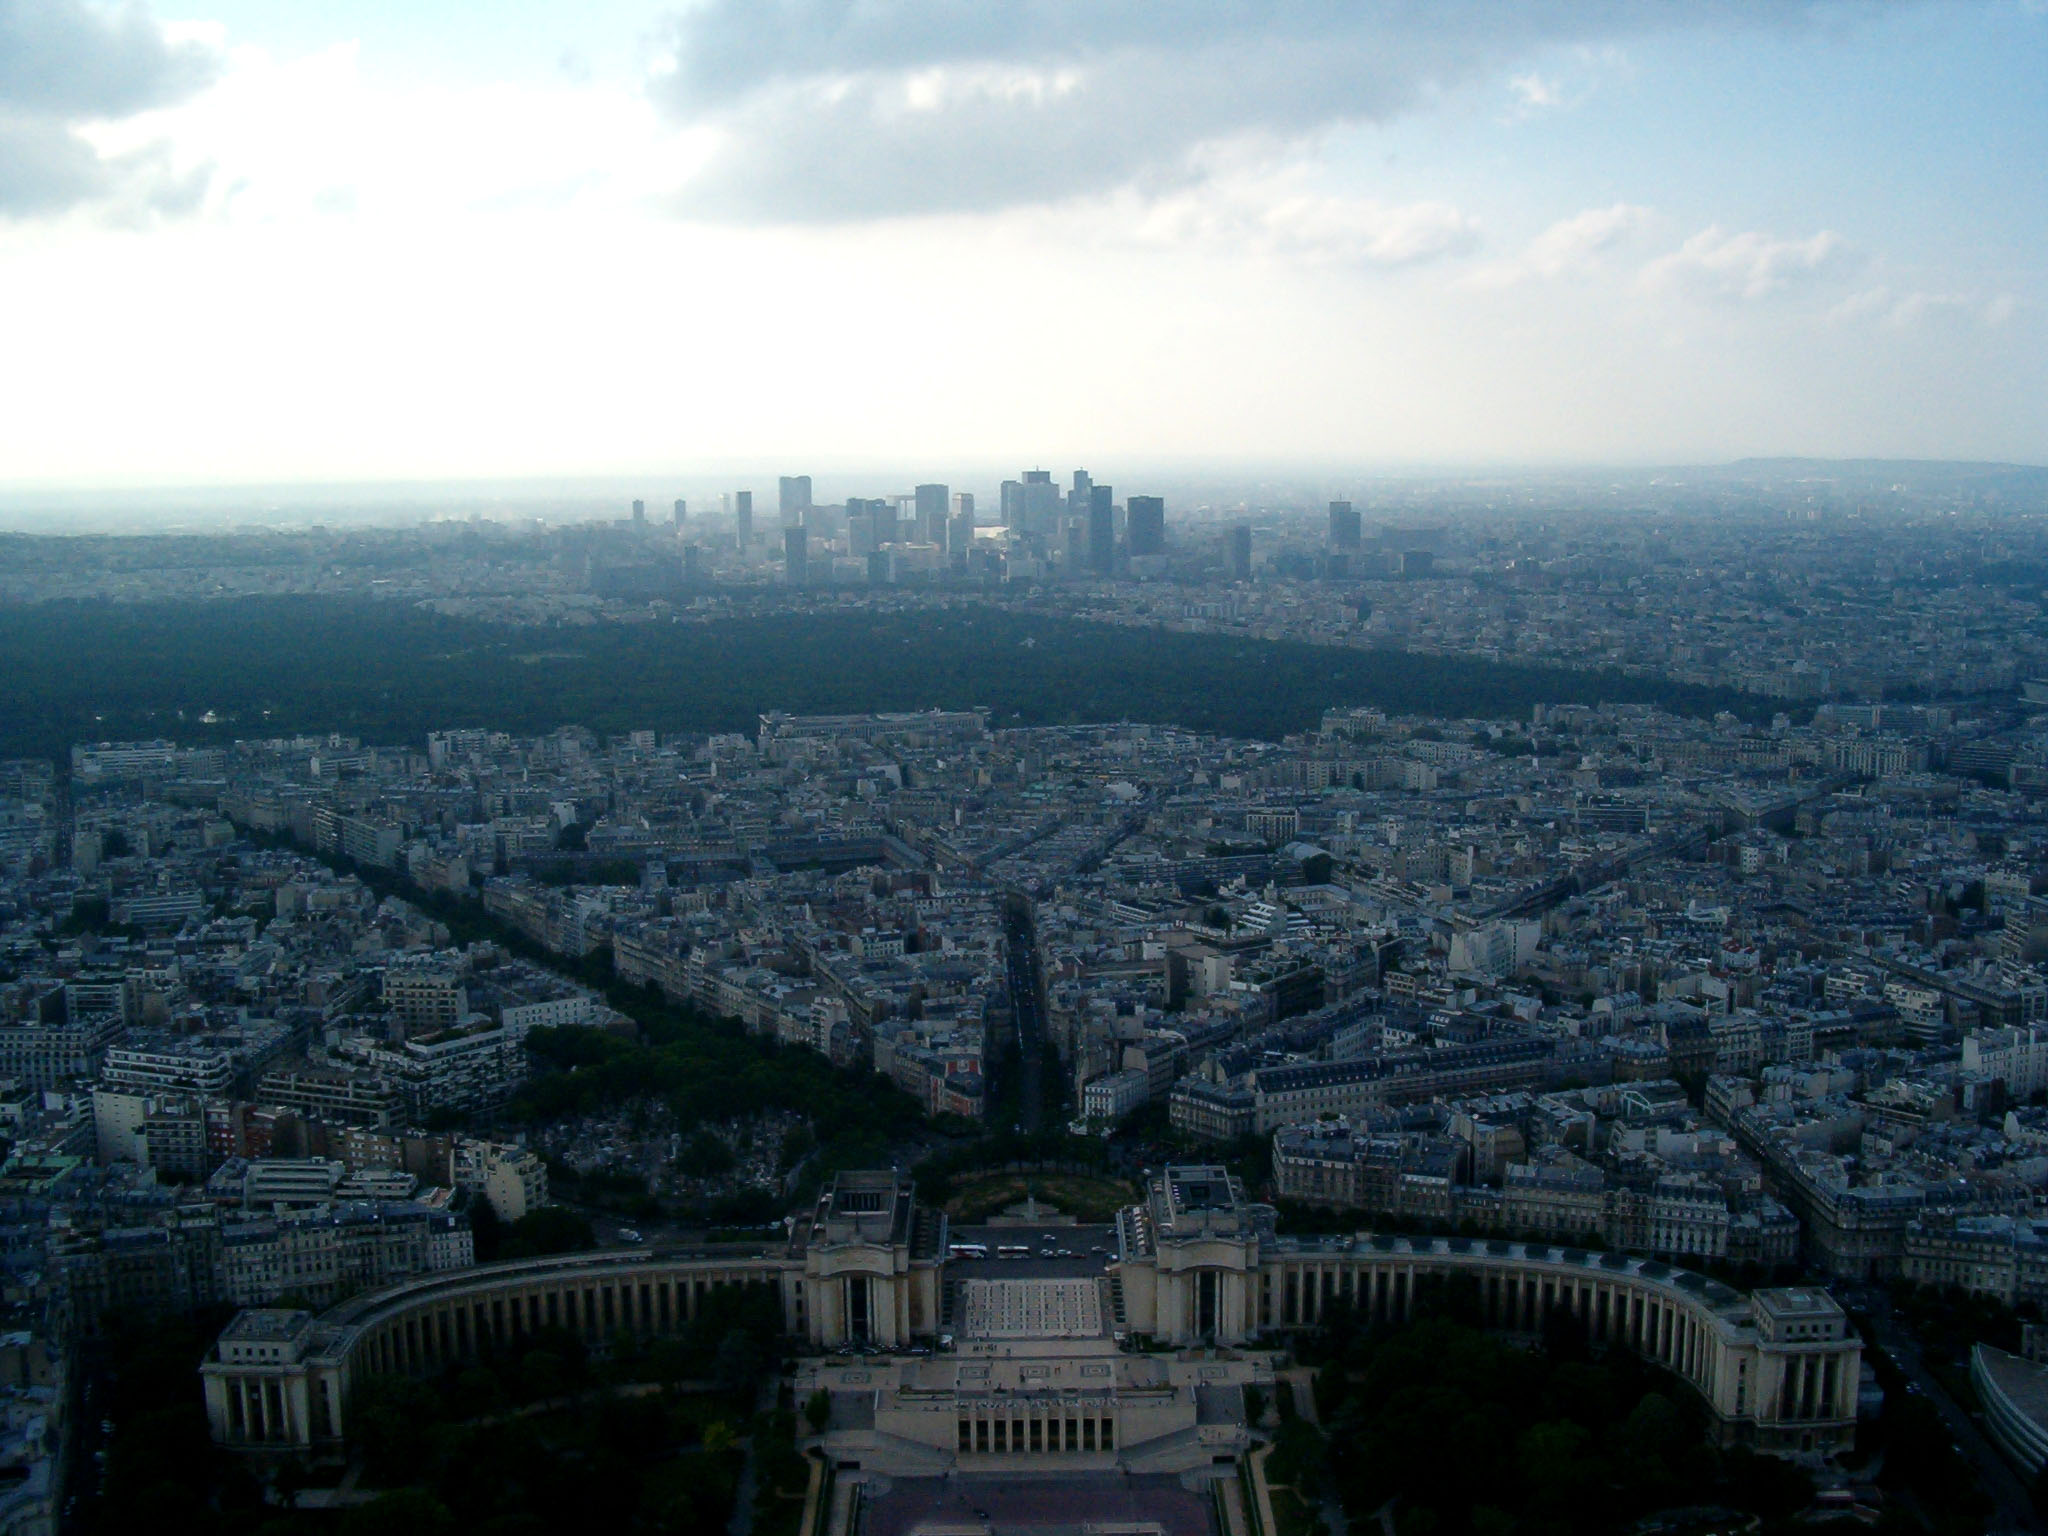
x: 200, y: 672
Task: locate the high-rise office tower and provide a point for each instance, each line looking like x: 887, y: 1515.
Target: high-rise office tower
x: 1077, y: 498
x: 682, y: 511
x: 693, y: 564
x: 796, y: 554
x: 1145, y: 525
x: 1344, y: 525
x: 1011, y: 507
x: 639, y: 510
x: 931, y: 514
x: 1101, y: 530
x: 743, y: 516
x: 1238, y: 553
x: 870, y: 522
x: 793, y: 498
x: 875, y: 514
x: 1040, y: 513
x: 960, y: 537
x: 860, y: 528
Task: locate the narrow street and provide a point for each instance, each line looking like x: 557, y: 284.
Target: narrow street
x: 1030, y: 1023
x: 2015, y: 1505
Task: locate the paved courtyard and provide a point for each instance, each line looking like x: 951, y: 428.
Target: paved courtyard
x: 1048, y: 1505
x: 1032, y: 1309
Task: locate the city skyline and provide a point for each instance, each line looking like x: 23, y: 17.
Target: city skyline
x: 349, y: 243
x: 859, y: 767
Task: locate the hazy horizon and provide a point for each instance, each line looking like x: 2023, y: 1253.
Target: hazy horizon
x: 1190, y: 486
x: 251, y: 245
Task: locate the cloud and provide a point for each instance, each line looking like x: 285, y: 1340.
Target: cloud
x: 1534, y: 93
x: 1579, y: 71
x: 1747, y: 264
x: 1375, y: 233
x: 44, y: 167
x: 1571, y: 245
x: 1277, y: 215
x: 315, y: 138
x: 1895, y: 311
x: 828, y: 110
x: 1572, y: 242
x: 67, y: 67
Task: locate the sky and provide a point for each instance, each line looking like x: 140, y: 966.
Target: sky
x: 244, y: 242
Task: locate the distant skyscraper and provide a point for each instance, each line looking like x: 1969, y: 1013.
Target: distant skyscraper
x: 743, y: 516
x: 931, y: 514
x: 1011, y: 507
x: 796, y: 554
x: 793, y: 498
x: 1145, y: 525
x: 693, y: 564
x: 1238, y: 553
x: 869, y: 521
x: 1344, y: 525
x: 682, y: 511
x: 960, y: 537
x: 1040, y: 511
x: 1101, y: 530
x: 639, y: 511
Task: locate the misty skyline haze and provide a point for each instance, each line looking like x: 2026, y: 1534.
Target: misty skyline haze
x: 1203, y: 493
x: 248, y: 245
